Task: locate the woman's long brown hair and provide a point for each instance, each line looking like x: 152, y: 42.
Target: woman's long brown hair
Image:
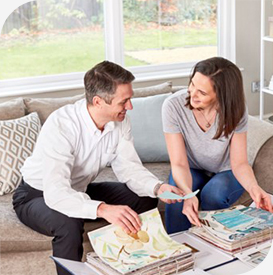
x: 227, y: 82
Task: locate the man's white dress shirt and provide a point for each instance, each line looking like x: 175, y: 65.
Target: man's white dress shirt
x: 71, y: 151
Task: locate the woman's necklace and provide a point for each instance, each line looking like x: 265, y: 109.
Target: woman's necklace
x: 208, y: 121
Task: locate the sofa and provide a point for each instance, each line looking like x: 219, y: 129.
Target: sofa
x: 26, y: 252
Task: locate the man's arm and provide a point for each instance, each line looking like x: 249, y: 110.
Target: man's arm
x: 57, y: 147
x: 129, y: 169
x: 127, y: 165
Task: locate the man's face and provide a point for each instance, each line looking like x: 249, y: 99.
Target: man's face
x: 121, y: 102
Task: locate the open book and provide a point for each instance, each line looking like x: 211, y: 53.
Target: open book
x: 236, y: 228
x: 150, y: 251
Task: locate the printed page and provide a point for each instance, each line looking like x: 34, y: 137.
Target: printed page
x: 126, y: 253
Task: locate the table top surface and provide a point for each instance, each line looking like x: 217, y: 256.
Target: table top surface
x: 210, y: 258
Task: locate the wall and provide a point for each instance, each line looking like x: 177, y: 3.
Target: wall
x: 248, y: 22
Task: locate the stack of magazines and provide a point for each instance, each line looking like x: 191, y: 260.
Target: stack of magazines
x: 149, y: 251
x: 236, y: 228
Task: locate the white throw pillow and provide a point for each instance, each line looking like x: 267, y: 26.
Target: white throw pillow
x: 17, y: 141
x: 147, y: 128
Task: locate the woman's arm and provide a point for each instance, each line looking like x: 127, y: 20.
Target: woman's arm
x: 179, y: 161
x: 181, y: 174
x: 244, y: 173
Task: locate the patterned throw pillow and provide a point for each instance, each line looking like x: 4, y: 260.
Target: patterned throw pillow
x: 17, y: 141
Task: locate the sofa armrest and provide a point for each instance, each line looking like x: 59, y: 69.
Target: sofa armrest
x: 263, y: 166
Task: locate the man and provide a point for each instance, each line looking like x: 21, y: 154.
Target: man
x: 76, y: 142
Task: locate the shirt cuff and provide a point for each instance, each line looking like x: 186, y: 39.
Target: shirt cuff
x: 151, y: 187
x: 90, y: 209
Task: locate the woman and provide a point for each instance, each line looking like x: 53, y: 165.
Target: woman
x: 205, y: 131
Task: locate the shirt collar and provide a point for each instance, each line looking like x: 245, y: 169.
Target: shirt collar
x: 110, y: 126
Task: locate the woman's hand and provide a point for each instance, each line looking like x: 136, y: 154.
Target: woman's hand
x: 167, y: 187
x: 261, y: 198
x: 190, y: 209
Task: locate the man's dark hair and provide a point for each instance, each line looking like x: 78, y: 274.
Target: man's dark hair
x: 103, y: 79
x: 227, y: 83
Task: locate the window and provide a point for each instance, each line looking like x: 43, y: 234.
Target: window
x: 169, y: 31
x: 52, y: 43
x: 48, y: 37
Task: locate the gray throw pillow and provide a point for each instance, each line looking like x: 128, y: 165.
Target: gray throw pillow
x: 147, y: 129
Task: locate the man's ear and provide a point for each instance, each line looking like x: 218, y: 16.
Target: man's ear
x: 97, y: 101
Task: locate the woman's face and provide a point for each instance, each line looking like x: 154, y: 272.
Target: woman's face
x: 202, y: 94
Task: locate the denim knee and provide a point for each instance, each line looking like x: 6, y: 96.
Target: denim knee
x: 213, y: 201
x: 174, y: 218
x: 221, y: 191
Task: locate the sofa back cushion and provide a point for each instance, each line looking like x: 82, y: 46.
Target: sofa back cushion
x: 17, y: 141
x: 163, y: 88
x: 45, y: 106
x: 11, y: 109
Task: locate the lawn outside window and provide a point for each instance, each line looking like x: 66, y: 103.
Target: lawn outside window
x: 46, y: 47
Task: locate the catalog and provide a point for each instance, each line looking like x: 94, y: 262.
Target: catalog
x: 255, y: 255
x: 236, y: 228
x: 79, y: 268
x: 148, y: 250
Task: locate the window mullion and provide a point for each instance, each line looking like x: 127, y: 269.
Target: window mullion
x: 113, y: 30
x: 226, y: 29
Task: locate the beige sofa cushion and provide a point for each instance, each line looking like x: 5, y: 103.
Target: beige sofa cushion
x: 16, y: 236
x: 263, y: 166
x: 163, y: 88
x: 45, y: 106
x: 258, y: 133
x: 12, y: 109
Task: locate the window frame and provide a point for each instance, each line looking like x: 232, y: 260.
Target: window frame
x: 114, y: 49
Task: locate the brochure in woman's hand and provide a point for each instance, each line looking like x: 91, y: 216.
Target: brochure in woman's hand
x: 172, y: 196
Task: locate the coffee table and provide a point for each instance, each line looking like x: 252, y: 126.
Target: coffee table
x: 209, y: 258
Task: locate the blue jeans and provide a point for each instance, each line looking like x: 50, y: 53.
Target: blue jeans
x: 216, y: 192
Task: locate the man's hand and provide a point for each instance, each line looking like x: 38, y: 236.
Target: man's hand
x: 190, y: 209
x: 167, y: 187
x: 120, y: 215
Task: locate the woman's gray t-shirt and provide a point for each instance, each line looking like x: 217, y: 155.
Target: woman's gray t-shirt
x: 203, y: 152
